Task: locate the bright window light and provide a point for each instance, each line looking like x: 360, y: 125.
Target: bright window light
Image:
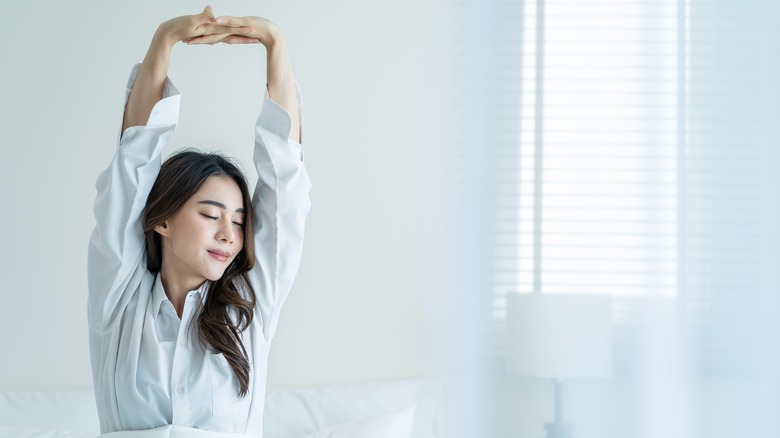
x: 599, y: 142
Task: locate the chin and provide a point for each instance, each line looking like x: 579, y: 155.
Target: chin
x: 214, y: 276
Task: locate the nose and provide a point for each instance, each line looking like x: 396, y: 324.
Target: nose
x: 226, y: 232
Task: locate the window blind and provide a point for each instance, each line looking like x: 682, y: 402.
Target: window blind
x: 638, y: 169
x: 592, y: 187
x: 588, y: 196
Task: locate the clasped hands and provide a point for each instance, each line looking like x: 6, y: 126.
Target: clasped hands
x: 205, y: 28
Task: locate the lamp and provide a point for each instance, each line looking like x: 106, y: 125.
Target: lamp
x: 560, y: 337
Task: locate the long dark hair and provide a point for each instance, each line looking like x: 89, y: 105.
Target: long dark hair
x: 181, y: 176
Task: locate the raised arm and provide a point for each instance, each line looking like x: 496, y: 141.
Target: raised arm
x: 281, y: 199
x: 148, y: 88
x: 281, y: 84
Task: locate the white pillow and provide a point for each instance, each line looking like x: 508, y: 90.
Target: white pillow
x: 397, y: 424
x: 50, y: 411
x: 293, y: 413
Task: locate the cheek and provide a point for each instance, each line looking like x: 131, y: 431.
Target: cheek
x: 186, y: 222
x: 191, y: 233
x: 239, y: 246
x: 240, y: 239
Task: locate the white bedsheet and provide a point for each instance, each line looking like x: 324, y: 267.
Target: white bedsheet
x: 173, y: 432
x: 160, y: 432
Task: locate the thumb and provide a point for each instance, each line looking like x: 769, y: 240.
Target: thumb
x: 208, y: 13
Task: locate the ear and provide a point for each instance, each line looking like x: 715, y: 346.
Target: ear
x: 163, y: 229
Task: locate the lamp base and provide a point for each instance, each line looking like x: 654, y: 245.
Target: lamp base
x: 558, y: 429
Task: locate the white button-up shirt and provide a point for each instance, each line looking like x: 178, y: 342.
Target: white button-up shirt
x: 148, y: 367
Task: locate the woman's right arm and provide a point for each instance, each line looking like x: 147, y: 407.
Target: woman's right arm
x: 149, y: 84
x: 147, y: 89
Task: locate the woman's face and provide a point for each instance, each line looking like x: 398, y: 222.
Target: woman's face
x: 206, y: 234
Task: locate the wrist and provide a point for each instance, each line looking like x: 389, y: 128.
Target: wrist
x: 164, y: 38
x: 272, y: 36
x: 159, y: 53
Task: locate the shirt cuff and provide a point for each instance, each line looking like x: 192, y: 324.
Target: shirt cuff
x: 166, y: 110
x: 276, y: 120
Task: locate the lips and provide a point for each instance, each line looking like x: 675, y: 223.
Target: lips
x: 222, y: 256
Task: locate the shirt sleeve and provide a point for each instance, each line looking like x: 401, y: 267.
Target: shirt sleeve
x: 280, y: 205
x: 116, y: 246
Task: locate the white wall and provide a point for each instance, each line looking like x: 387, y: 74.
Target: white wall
x: 361, y: 306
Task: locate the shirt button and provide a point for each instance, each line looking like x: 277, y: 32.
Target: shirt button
x: 180, y: 390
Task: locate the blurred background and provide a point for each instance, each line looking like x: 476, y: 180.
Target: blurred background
x: 563, y: 209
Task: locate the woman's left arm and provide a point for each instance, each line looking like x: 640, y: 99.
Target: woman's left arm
x: 281, y: 84
x: 281, y: 200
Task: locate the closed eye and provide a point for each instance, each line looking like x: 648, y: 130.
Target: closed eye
x: 210, y: 217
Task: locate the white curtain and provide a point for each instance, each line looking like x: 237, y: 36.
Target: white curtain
x: 625, y: 147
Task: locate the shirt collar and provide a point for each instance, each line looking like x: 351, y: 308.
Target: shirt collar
x: 203, y: 290
x: 159, y: 297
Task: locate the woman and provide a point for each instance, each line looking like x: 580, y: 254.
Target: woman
x: 187, y: 274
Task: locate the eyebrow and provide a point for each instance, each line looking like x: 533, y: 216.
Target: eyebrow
x: 220, y: 205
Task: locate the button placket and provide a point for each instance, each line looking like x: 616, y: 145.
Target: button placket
x: 180, y: 371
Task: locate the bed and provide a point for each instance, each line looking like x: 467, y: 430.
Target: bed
x: 389, y: 409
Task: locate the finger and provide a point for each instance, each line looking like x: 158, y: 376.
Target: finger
x: 212, y: 28
x: 237, y: 39
x: 208, y: 13
x: 245, y: 31
x: 208, y: 39
x: 231, y: 21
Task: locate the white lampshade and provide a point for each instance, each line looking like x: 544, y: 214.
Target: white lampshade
x: 560, y: 336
